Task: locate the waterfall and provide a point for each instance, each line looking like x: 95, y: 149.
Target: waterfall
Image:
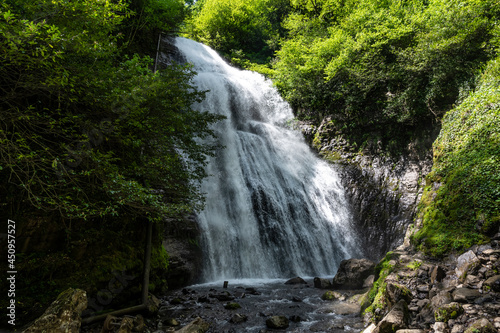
x: 273, y: 209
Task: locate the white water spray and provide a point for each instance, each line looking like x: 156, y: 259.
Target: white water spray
x: 273, y: 209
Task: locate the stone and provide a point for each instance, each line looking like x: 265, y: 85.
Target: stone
x: 223, y: 297
x: 482, y: 325
x: 331, y: 295
x: 126, y: 325
x: 396, y: 319
x: 493, y: 283
x: 410, y: 331
x: 396, y: 292
x: 457, y: 329
x: 171, y: 322
x: 153, y: 304
x: 369, y: 329
x: 448, y: 311
x: 472, y: 281
x: 63, y: 315
x: 463, y: 263
x: 368, y: 283
x: 296, y: 280
x: 465, y: 295
x: 322, y: 283
x: 196, y: 326
x: 352, y: 273
x: 238, y: 318
x: 232, y: 306
x: 442, y: 298
x: 345, y: 309
x: 439, y: 327
x: 278, y: 322
x: 437, y: 274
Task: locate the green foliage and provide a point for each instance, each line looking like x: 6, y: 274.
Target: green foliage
x: 86, y: 132
x: 377, y: 294
x: 461, y: 205
x: 387, y: 66
x: 245, y: 32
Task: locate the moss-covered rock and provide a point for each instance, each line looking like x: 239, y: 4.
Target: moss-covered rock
x: 448, y: 311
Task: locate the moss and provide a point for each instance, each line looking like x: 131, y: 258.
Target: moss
x: 377, y: 296
x: 414, y: 265
x: 232, y: 306
x: 448, y: 311
x: 461, y: 203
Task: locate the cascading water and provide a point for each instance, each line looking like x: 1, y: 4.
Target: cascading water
x: 273, y: 209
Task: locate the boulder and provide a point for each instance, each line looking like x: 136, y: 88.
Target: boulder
x: 196, y: 326
x: 352, y: 273
x: 465, y: 295
x: 278, y: 322
x: 396, y: 319
x: 448, y: 311
x: 463, y: 263
x: 332, y: 296
x: 322, y: 283
x: 396, y: 292
x: 296, y: 280
x: 481, y: 326
x: 442, y: 298
x: 493, y: 283
x: 238, y: 318
x: 63, y: 315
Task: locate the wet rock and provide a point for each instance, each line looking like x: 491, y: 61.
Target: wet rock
x: 482, y: 325
x: 396, y: 319
x: 171, y: 322
x: 63, y: 315
x: 331, y: 295
x: 410, y: 331
x: 232, y: 306
x: 465, y: 295
x: 278, y: 322
x: 493, y: 283
x: 322, y: 283
x: 223, y: 297
x: 296, y: 280
x: 345, y: 309
x: 352, y: 273
x: 238, y: 318
x: 196, y: 326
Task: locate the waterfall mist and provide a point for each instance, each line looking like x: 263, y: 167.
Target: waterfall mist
x: 273, y: 209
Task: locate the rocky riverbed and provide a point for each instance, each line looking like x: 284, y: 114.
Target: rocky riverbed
x: 254, y: 306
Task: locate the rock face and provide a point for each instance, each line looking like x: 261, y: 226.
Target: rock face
x: 352, y: 273
x: 184, y: 253
x: 63, y: 315
x: 383, y: 192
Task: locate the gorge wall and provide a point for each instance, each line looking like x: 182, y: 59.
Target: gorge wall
x: 383, y: 190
